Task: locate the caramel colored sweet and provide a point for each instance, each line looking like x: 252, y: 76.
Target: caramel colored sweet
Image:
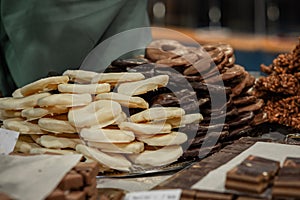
x: 78, y: 184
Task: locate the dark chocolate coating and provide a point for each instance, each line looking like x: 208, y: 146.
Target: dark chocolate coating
x: 129, y: 62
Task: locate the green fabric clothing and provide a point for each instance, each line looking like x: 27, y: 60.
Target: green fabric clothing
x: 42, y: 36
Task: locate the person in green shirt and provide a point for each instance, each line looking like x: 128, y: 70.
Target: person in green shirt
x: 38, y: 37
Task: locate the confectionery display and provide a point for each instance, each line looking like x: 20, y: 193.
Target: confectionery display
x: 205, y: 79
x: 175, y: 104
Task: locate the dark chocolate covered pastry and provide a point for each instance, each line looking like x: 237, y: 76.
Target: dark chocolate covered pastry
x: 129, y: 62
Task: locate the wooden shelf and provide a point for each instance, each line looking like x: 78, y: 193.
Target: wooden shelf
x: 244, y: 42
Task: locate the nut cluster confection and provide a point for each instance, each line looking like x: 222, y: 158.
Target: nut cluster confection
x: 280, y: 89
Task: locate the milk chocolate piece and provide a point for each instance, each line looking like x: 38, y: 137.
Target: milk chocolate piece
x: 203, y: 88
x: 230, y: 61
x: 187, y: 195
x: 203, y: 101
x: 236, y: 90
x: 181, y: 97
x: 250, y: 198
x: 246, y: 186
x: 91, y: 190
x: 200, y: 152
x: 198, y: 140
x: 94, y: 197
x: 239, y: 131
x: 57, y: 194
x: 254, y: 174
x: 195, y: 78
x: 88, y: 170
x: 212, y: 127
x: 205, y: 195
x: 241, y: 119
x: 233, y: 72
x: 218, y: 107
x: 75, y: 195
x: 244, y: 100
x: 285, y: 193
x: 226, y: 49
x: 221, y: 116
x: 252, y: 107
x: 288, y: 177
x: 3, y: 196
x: 230, y: 74
x: 287, y: 183
x: 200, y: 66
x: 260, y: 118
x: 171, y: 62
x: 71, y: 180
x: 215, y: 53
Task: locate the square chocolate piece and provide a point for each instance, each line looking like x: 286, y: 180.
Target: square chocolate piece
x: 254, y: 174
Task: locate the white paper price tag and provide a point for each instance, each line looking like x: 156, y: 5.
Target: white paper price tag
x: 154, y: 195
x: 8, y: 140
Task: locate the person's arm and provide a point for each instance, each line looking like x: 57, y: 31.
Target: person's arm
x: 55, y: 35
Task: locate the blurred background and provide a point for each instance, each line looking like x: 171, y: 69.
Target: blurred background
x: 257, y: 29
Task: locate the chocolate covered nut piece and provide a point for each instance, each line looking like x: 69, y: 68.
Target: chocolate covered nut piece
x: 284, y: 111
x: 282, y: 83
x: 254, y: 174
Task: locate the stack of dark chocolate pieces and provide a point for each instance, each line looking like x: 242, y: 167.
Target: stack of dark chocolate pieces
x: 286, y: 184
x: 78, y: 184
x: 281, y: 89
x: 202, y: 79
x: 253, y: 175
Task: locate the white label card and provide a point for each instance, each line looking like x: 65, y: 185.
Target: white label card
x: 8, y: 140
x: 173, y: 194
